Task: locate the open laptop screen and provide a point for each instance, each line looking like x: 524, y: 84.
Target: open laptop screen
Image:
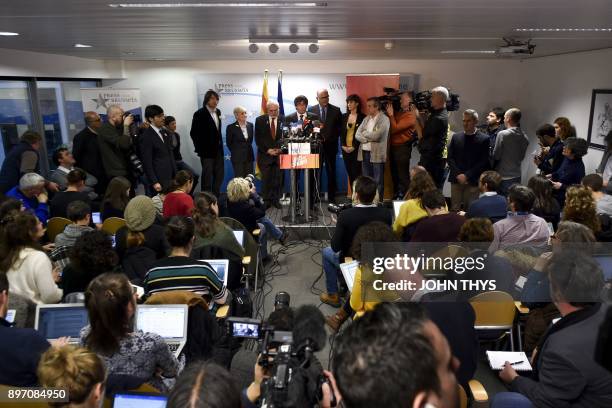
x: 166, y: 320
x: 133, y: 400
x: 220, y: 266
x: 239, y: 237
x: 58, y: 321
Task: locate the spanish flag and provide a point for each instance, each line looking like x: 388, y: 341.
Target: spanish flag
x: 263, y: 111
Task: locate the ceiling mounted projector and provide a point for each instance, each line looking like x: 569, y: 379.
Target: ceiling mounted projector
x: 516, y: 48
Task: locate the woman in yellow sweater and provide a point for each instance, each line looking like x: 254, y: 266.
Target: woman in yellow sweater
x: 412, y: 211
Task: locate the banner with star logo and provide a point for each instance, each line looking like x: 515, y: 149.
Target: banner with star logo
x: 99, y: 99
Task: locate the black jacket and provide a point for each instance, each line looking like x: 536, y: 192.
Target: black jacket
x: 157, y: 157
x: 332, y: 127
x: 263, y: 138
x: 553, y: 159
x: 205, y: 135
x: 241, y: 149
x: 246, y: 212
x: 155, y: 239
x: 349, y: 222
x: 175, y: 139
x: 345, y: 117
x: 468, y: 155
x: 293, y: 118
x: 11, y: 167
x: 434, y: 134
x: 114, y: 144
x: 20, y: 350
x: 86, y: 152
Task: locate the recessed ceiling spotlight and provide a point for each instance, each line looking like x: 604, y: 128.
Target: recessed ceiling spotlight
x: 273, y: 48
x: 293, y: 48
x: 563, y: 29
x: 218, y: 4
x: 128, y: 53
x: 8, y: 33
x: 468, y: 52
x: 389, y: 45
x: 78, y: 45
x: 253, y: 48
x: 313, y: 48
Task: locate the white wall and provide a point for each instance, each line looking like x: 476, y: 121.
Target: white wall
x: 562, y: 86
x: 481, y: 83
x: 35, y: 64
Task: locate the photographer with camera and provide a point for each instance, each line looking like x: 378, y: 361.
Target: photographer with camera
x: 349, y: 221
x: 403, y: 124
x: 115, y: 142
x: 433, y: 139
x: 246, y: 206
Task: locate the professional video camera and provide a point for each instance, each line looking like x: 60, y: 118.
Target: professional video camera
x: 296, y: 376
x: 338, y: 208
x: 423, y: 101
x: 391, y: 96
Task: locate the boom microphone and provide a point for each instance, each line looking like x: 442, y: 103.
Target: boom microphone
x: 309, y: 328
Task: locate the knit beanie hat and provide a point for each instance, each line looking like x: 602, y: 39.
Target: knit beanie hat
x: 139, y: 213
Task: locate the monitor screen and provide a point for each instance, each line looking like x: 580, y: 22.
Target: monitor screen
x: 220, y: 266
x: 167, y: 321
x: 605, y: 261
x: 396, y: 207
x: 139, y: 401
x: 95, y: 218
x: 56, y: 322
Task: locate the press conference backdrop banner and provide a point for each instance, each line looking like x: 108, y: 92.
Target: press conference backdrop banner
x: 245, y: 90
x: 99, y: 99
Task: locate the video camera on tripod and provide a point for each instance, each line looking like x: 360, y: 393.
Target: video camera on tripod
x: 295, y: 374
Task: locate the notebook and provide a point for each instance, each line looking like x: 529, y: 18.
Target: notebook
x: 140, y: 400
x: 220, y: 266
x: 497, y: 359
x: 239, y: 237
x: 169, y: 321
x: 95, y: 218
x: 349, y: 269
x: 397, y: 204
x: 62, y: 320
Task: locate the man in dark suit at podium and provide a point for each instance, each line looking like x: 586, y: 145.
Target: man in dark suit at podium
x: 331, y: 127
x: 268, y: 133
x: 206, y: 136
x: 300, y: 114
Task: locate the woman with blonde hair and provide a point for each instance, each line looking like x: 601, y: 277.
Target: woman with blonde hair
x: 77, y: 370
x: 239, y: 139
x: 245, y: 205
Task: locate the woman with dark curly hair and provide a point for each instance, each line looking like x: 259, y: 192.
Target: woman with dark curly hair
x: 92, y: 255
x: 581, y: 208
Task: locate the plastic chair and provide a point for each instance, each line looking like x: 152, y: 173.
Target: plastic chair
x: 112, y: 224
x: 251, y: 247
x: 55, y: 226
x: 477, y: 394
x: 494, y: 311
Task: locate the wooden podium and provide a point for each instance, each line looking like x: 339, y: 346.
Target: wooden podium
x: 299, y: 158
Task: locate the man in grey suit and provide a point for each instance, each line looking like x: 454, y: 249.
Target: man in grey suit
x: 509, y: 151
x: 373, y: 135
x: 565, y: 371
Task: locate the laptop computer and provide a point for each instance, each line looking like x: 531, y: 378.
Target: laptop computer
x: 605, y: 261
x: 239, y: 237
x: 10, y: 315
x: 397, y: 204
x: 62, y: 320
x: 349, y: 269
x: 169, y: 321
x: 140, y: 400
x: 96, y: 218
x: 220, y: 266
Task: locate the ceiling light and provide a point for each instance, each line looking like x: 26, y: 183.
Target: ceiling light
x: 8, y: 33
x: 273, y: 48
x: 293, y: 48
x: 78, y: 45
x: 253, y: 48
x: 389, y: 45
x: 468, y: 52
x: 563, y: 29
x: 219, y: 4
x: 128, y: 53
x: 313, y: 48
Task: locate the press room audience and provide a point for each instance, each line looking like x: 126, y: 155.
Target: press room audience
x: 489, y: 204
x: 521, y: 227
x: 509, y: 151
x: 239, y: 139
x: 468, y: 157
x: 32, y: 194
x: 351, y: 121
x: 545, y: 204
x: 111, y: 305
x: 79, y: 213
x: 178, y: 271
x: 440, y: 224
x: 90, y: 256
x: 116, y: 197
x: 63, y: 159
x: 58, y: 207
x: 179, y: 201
x: 27, y: 267
x: 349, y: 221
x: 594, y: 182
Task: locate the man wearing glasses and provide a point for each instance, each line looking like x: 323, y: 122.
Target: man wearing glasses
x: 87, y: 153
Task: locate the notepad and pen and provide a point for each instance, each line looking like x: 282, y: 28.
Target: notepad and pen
x: 518, y: 360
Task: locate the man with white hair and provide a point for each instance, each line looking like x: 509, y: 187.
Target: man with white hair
x: 509, y: 151
x: 468, y: 157
x: 268, y: 132
x: 114, y: 142
x: 32, y: 194
x: 433, y: 138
